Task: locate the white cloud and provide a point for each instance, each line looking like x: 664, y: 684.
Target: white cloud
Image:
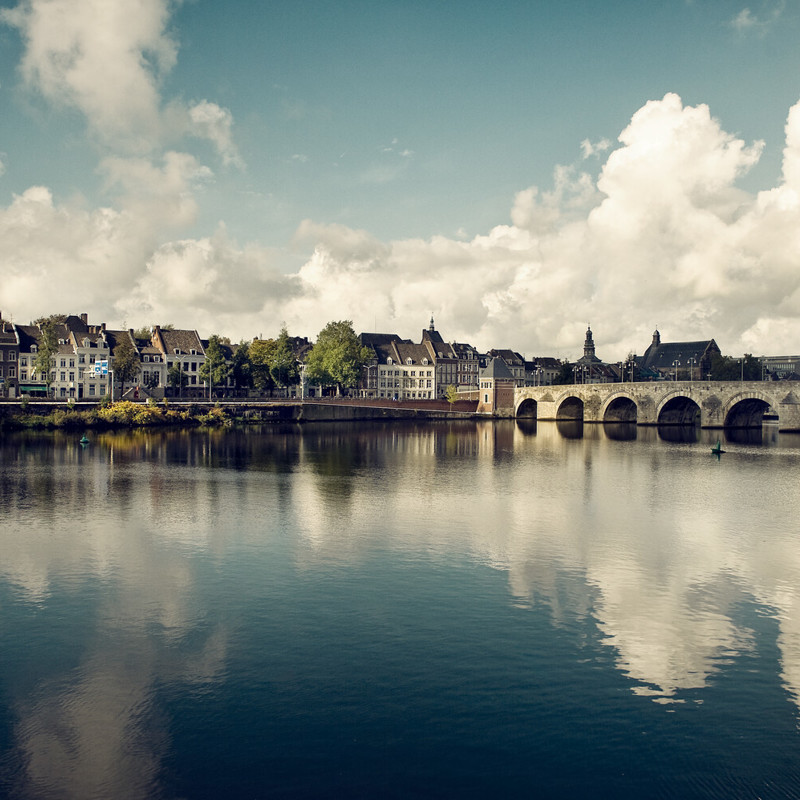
x: 104, y: 59
x: 215, y: 123
x: 747, y: 22
x: 589, y: 148
x: 662, y: 235
x: 107, y: 60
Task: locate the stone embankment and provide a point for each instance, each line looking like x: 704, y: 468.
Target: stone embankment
x: 89, y: 414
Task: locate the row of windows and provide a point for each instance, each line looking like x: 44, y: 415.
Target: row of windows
x: 397, y: 373
x: 12, y: 355
x: 408, y: 383
x: 408, y: 395
x: 12, y: 372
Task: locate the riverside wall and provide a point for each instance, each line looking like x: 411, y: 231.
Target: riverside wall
x: 278, y: 411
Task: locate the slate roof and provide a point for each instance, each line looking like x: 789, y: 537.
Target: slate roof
x: 662, y: 356
x: 496, y: 369
x: 184, y: 341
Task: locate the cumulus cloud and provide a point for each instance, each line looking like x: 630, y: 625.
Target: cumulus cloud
x: 107, y: 60
x: 102, y: 58
x: 662, y: 234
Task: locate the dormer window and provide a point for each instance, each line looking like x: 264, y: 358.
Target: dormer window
x: 147, y: 358
x: 87, y: 343
x: 176, y: 351
x: 34, y: 348
x: 193, y: 352
x: 408, y: 362
x: 389, y: 360
x: 425, y: 361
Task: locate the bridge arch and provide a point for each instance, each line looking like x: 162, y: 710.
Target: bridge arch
x: 678, y: 409
x: 570, y: 408
x: 527, y: 409
x: 620, y: 408
x: 744, y: 410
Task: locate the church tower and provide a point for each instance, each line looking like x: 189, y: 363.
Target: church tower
x: 588, y: 346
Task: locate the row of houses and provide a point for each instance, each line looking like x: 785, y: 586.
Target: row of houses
x: 404, y: 370
x: 170, y: 363
x: 83, y: 366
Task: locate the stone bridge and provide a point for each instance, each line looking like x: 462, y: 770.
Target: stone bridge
x: 711, y: 404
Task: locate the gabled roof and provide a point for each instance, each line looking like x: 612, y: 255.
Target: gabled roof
x: 496, y: 369
x: 662, y: 356
x: 184, y: 341
x: 509, y: 356
x: 113, y: 339
x: 409, y: 350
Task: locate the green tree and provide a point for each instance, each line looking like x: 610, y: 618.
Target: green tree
x: 142, y: 333
x: 725, y: 368
x: 338, y: 357
x: 240, y: 366
x: 564, y: 374
x: 451, y: 395
x: 176, y: 377
x: 215, y: 370
x: 283, y: 363
x: 47, y: 347
x: 126, y: 362
x: 260, y: 352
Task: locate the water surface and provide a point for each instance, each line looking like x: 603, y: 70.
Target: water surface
x: 444, y: 610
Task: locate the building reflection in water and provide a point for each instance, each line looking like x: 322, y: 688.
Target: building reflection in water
x: 654, y: 549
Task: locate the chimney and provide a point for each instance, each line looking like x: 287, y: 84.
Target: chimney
x: 85, y: 318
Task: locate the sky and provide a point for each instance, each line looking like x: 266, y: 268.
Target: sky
x: 518, y: 170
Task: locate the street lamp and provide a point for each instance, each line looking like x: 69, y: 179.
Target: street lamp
x: 676, y: 364
x: 691, y: 362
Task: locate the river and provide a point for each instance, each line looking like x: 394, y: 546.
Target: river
x: 397, y: 610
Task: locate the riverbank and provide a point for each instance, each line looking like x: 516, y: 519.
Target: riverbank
x: 51, y: 415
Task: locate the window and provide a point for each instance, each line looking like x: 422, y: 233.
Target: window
x: 145, y: 358
x: 63, y: 376
x: 63, y: 362
x: 23, y: 376
x: 81, y: 359
x: 92, y: 389
x: 72, y: 376
x: 486, y: 398
x: 23, y: 360
x: 72, y: 362
x: 1, y: 372
x: 1, y: 354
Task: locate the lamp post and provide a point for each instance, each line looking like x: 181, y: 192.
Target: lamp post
x: 676, y: 364
x: 691, y: 362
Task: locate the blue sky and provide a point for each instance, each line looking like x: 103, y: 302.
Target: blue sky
x: 517, y: 168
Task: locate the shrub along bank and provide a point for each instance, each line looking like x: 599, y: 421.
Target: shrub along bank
x: 123, y: 414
